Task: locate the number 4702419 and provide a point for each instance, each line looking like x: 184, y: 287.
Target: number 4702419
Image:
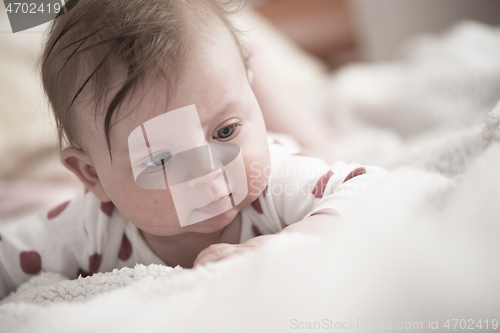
x: 471, y: 324
x: 31, y: 8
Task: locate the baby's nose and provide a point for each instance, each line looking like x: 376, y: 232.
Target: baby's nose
x: 211, y: 179
x: 189, y: 165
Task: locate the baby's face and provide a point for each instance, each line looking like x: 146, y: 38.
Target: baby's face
x: 216, y: 83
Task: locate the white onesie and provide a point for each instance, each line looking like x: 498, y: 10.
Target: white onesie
x: 84, y: 235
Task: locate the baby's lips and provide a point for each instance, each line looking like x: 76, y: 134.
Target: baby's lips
x: 215, y: 207
x: 213, y: 199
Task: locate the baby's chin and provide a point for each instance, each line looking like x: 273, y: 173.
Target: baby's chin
x: 213, y: 224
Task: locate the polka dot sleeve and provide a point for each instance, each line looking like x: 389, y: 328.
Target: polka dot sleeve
x: 301, y: 186
x: 336, y: 191
x: 68, y: 239
x: 35, y: 243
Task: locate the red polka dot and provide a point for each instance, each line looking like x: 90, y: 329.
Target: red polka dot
x: 86, y: 190
x: 83, y: 273
x: 302, y: 153
x: 57, y: 210
x: 256, y: 231
x: 107, y: 208
x: 319, y: 189
x: 94, y: 262
x: 125, y: 249
x: 256, y: 206
x: 31, y: 262
x: 326, y: 211
x: 356, y: 172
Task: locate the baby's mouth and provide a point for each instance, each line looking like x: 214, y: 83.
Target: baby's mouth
x: 216, y: 206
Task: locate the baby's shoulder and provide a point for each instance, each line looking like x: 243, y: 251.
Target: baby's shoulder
x: 281, y: 144
x: 289, y: 160
x: 71, y: 221
x: 289, y: 163
x: 84, y: 207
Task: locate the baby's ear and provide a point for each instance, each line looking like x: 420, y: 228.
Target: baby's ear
x: 78, y: 162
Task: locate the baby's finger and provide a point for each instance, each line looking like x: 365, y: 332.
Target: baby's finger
x: 214, y: 252
x: 219, y: 254
x: 212, y: 248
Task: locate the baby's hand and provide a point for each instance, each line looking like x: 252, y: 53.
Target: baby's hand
x: 321, y: 225
x: 216, y: 252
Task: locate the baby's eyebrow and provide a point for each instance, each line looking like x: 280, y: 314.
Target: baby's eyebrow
x: 227, y: 108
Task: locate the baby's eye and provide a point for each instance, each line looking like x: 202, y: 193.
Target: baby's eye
x: 225, y: 132
x: 158, y: 160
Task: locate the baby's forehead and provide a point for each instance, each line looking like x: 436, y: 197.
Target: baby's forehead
x: 167, y: 90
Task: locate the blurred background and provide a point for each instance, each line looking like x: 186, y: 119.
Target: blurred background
x: 324, y: 71
x: 368, y: 30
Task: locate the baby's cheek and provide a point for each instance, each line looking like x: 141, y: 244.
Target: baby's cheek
x: 257, y: 172
x: 148, y: 206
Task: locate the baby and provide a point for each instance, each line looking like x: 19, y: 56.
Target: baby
x: 169, y: 77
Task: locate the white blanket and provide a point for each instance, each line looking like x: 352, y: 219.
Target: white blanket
x: 421, y: 248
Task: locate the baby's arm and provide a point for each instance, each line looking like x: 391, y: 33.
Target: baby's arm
x: 331, y: 199
x: 320, y: 225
